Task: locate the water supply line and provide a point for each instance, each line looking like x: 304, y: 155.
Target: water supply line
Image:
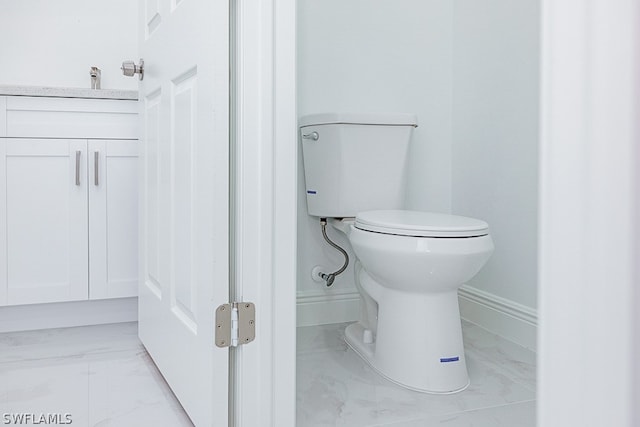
x: 329, y: 278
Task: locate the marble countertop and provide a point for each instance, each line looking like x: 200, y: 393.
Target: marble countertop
x: 68, y: 92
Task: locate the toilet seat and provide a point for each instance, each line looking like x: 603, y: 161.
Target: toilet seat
x: 420, y: 224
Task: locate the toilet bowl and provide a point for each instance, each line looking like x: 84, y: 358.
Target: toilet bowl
x: 409, y: 267
x: 409, y: 264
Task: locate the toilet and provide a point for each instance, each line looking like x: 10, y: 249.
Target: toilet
x: 409, y: 264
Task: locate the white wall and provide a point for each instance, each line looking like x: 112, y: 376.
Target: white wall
x: 495, y: 136
x: 54, y: 43
x: 590, y: 215
x: 470, y: 71
x: 376, y: 56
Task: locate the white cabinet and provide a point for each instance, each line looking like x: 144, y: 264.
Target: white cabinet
x: 68, y: 204
x: 43, y: 212
x: 113, y: 219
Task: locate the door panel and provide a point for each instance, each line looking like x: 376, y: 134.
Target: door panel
x: 44, y: 220
x: 113, y: 218
x: 150, y: 193
x: 184, y: 258
x: 183, y: 146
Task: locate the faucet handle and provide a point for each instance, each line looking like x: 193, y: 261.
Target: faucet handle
x: 95, y: 74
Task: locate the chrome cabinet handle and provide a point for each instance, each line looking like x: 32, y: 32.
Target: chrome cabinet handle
x: 96, y: 160
x: 78, y: 154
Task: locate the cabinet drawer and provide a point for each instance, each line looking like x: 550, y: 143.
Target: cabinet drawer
x: 37, y: 117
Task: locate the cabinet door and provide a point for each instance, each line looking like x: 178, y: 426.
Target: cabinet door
x: 113, y: 218
x: 43, y: 220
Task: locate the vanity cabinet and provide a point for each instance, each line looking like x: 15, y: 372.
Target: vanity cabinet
x: 44, y: 221
x: 113, y: 218
x: 68, y: 200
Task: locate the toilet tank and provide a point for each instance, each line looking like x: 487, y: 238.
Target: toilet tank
x: 355, y: 162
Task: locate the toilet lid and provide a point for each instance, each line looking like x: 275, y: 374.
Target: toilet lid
x: 420, y: 224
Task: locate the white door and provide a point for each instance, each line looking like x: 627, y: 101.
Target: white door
x: 113, y: 218
x: 184, y: 256
x: 43, y: 220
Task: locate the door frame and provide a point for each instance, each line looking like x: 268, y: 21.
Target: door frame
x: 264, y: 215
x: 589, y: 274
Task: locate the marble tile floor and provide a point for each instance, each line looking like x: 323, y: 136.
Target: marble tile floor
x: 100, y: 375
x: 335, y: 387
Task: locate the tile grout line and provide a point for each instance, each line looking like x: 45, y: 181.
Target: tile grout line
x: 72, y: 356
x: 447, y: 414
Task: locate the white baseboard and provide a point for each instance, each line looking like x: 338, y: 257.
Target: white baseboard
x: 67, y: 314
x: 513, y: 321
x: 321, y: 308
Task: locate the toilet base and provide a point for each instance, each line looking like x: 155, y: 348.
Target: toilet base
x: 354, y: 338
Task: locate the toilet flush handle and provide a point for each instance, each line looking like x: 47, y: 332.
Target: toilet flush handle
x: 313, y: 135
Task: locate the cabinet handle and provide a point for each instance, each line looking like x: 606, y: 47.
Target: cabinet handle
x: 78, y: 154
x: 96, y: 160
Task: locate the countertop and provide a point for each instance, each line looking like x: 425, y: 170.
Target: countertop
x: 68, y: 92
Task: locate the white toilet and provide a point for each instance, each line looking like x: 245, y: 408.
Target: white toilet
x: 409, y: 264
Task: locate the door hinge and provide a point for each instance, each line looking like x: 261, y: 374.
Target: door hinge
x: 235, y: 324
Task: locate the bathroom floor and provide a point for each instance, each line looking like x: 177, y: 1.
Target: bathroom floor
x: 337, y: 388
x: 102, y: 376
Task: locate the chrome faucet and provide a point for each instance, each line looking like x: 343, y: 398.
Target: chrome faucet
x: 95, y: 74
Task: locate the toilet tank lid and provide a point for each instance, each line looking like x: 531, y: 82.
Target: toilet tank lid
x: 389, y: 119
x: 420, y: 224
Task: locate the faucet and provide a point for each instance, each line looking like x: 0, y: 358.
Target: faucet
x: 95, y: 74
